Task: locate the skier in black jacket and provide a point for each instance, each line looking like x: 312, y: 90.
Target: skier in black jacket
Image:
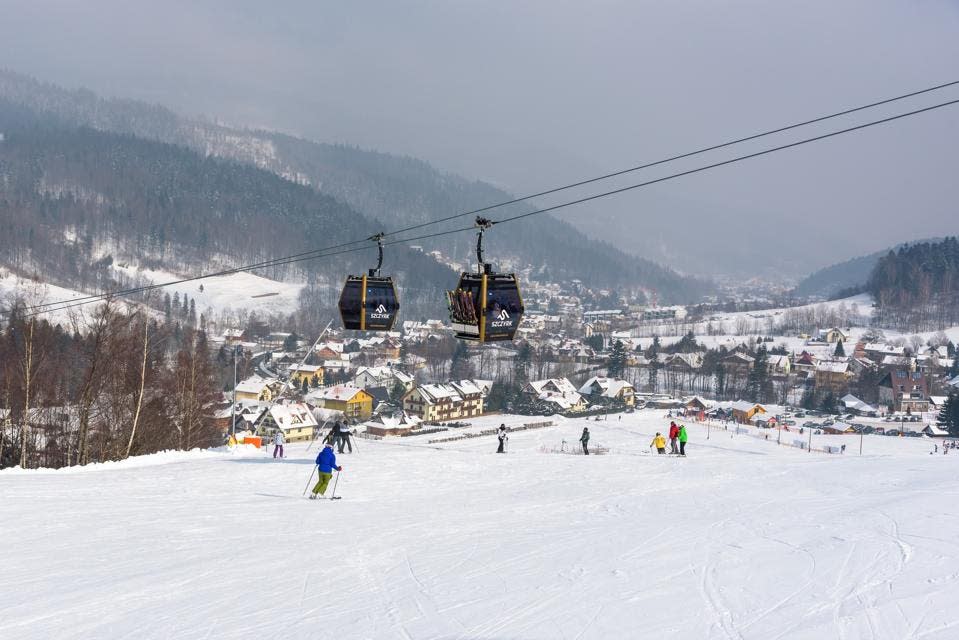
x: 585, y: 440
x: 502, y: 439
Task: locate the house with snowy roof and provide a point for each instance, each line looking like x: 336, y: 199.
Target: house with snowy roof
x: 382, y: 377
x: 449, y: 401
x: 852, y: 404
x: 397, y: 424
x: 904, y: 390
x: 311, y: 373
x: 684, y: 361
x: 609, y: 389
x: 257, y: 389
x: 833, y: 375
x: 831, y: 335
x: 295, y: 420
x: 738, y: 363
x: 744, y: 411
x: 558, y: 393
x: 354, y: 403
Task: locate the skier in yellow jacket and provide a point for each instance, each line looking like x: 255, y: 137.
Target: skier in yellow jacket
x: 659, y: 442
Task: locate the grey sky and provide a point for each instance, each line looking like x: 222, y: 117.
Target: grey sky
x: 531, y: 94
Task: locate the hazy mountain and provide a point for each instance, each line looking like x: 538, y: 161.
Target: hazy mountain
x: 394, y: 191
x: 852, y: 273
x: 76, y: 201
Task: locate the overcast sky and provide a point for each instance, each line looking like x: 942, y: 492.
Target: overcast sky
x: 532, y: 94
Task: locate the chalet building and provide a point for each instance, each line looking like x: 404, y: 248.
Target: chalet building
x: 778, y: 365
x: 832, y: 335
x: 610, y: 389
x: 388, y: 377
x: 904, y: 390
x: 832, y: 375
x: 854, y: 405
x: 743, y: 412
x: 295, y: 420
x: 804, y: 363
x: 354, y: 403
x: 257, y: 389
x: 442, y: 402
x: 400, y: 424
x: 556, y: 392
x: 684, y: 362
x: 876, y: 351
x: 738, y: 363
x: 311, y: 373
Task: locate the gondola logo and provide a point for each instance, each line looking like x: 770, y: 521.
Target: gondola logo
x: 502, y: 320
x: 380, y: 314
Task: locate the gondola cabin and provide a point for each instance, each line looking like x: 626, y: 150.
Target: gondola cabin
x: 486, y: 307
x: 369, y: 303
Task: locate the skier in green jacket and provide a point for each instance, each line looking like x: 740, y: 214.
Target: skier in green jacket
x: 683, y: 438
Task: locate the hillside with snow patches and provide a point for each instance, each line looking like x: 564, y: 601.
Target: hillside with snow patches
x: 741, y: 539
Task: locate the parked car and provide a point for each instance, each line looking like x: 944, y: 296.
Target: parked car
x: 790, y: 423
x: 800, y: 415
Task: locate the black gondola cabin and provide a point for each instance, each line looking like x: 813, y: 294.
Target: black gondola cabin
x: 368, y: 303
x: 486, y: 307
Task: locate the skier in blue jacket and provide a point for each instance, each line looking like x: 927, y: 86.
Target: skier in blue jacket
x: 326, y: 462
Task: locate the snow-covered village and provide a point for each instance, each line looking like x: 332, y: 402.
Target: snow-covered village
x: 459, y: 335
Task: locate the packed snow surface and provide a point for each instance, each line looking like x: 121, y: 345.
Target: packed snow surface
x: 741, y: 539
x: 240, y: 292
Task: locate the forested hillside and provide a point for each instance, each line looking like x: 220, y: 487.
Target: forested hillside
x: 843, y: 277
x: 393, y: 191
x: 74, y: 202
x: 917, y: 287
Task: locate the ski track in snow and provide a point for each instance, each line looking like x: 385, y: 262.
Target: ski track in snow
x: 741, y: 540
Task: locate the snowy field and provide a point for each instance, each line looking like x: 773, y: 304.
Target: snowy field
x: 742, y: 539
x: 32, y: 293
x: 235, y: 293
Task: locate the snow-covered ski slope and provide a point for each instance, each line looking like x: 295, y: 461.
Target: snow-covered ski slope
x: 739, y: 540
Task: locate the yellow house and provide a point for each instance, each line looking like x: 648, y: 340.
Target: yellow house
x: 313, y: 374
x: 743, y: 411
x: 255, y: 389
x: 295, y: 420
x: 355, y: 403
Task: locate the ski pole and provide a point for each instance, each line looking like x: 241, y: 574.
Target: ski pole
x: 335, y: 482
x: 311, y: 480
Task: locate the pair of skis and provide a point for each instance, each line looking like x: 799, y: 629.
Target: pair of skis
x: 333, y: 496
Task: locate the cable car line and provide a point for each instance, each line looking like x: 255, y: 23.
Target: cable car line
x: 322, y: 253
x: 314, y: 253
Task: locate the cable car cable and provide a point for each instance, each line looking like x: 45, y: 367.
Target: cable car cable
x: 311, y: 254
x: 321, y: 253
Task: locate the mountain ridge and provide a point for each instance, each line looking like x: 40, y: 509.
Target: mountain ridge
x: 396, y: 191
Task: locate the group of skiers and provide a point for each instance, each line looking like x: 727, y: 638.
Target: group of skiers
x: 339, y: 436
x: 677, y: 435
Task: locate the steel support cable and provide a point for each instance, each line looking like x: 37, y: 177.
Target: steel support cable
x: 321, y: 253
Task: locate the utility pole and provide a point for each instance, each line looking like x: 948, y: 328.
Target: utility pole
x: 861, y: 436
x: 233, y: 404
x: 810, y: 441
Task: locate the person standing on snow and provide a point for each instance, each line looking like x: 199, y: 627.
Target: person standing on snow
x: 278, y: 442
x: 659, y: 442
x: 673, y: 434
x: 325, y: 463
x: 683, y: 438
x: 502, y: 439
x: 585, y: 440
x: 345, y: 432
